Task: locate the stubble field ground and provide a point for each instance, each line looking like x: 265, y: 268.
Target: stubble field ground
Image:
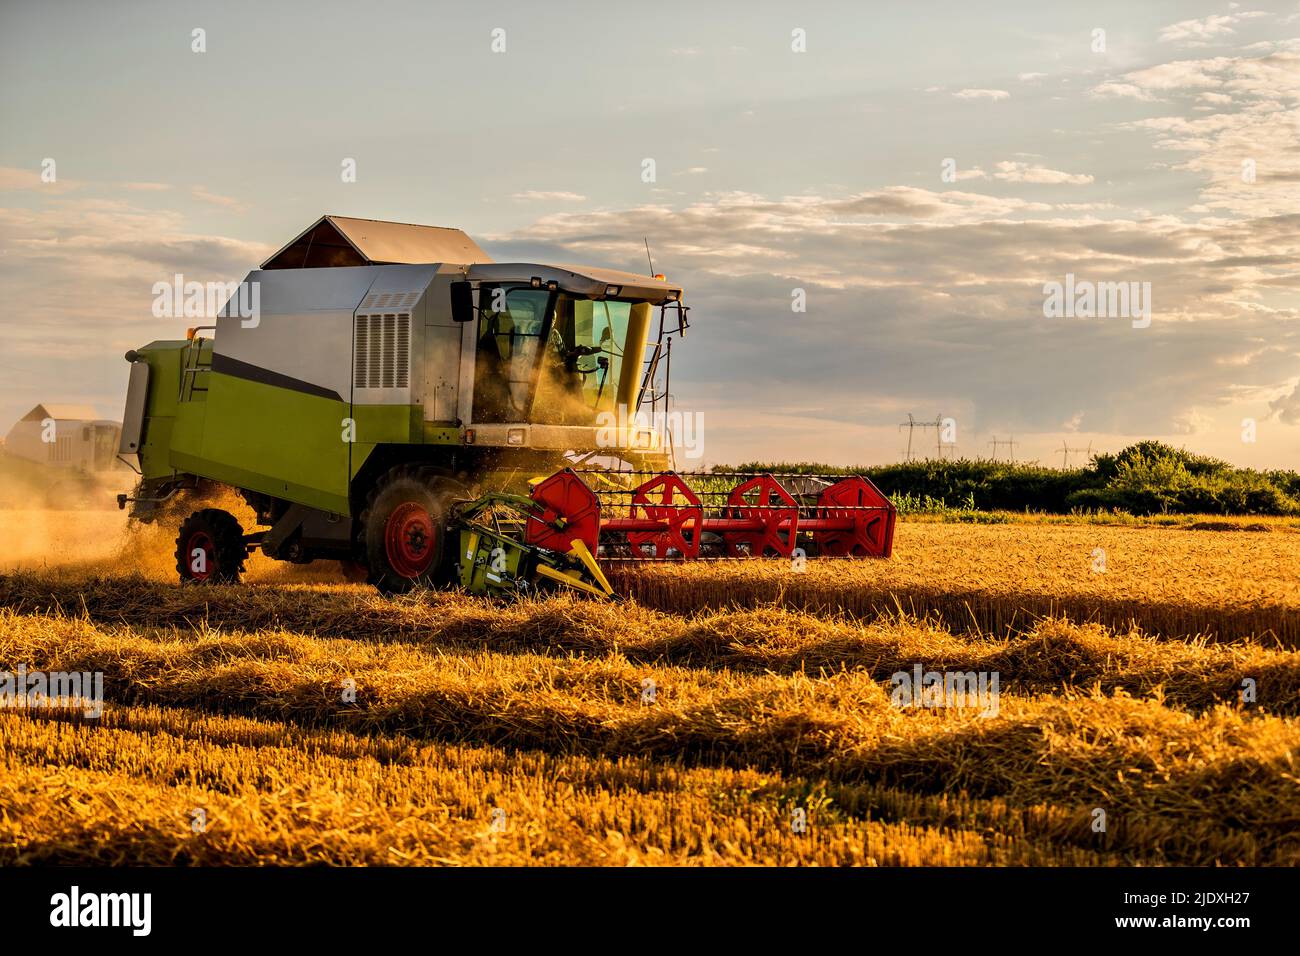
x: 694, y: 722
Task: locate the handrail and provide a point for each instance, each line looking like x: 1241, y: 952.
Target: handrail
x: 193, y: 365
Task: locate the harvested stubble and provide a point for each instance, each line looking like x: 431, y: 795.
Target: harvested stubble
x: 230, y: 699
x: 126, y: 792
x: 999, y: 578
x: 1214, y: 787
x: 1041, y: 658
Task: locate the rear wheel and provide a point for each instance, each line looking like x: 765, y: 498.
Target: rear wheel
x: 404, y: 529
x: 210, y: 548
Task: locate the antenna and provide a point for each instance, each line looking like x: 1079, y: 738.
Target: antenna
x: 647, y: 255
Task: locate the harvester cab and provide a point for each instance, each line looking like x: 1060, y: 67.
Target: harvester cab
x: 385, y: 395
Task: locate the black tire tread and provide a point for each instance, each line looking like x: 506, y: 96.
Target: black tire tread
x: 227, y: 540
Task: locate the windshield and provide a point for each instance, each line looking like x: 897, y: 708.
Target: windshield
x: 583, y: 361
x: 512, y: 321
x: 563, y: 358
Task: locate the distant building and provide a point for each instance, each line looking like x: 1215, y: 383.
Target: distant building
x: 71, y: 437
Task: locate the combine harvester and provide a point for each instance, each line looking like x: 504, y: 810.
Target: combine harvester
x: 391, y: 395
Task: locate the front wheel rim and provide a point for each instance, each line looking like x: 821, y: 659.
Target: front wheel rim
x: 410, y: 540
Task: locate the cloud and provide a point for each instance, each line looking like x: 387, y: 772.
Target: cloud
x: 921, y: 300
x: 1083, y: 206
x: 1248, y: 116
x: 96, y: 260
x: 1197, y: 31
x: 1287, y: 407
x: 1015, y: 172
x: 1266, y: 77
x: 1182, y: 74
x: 982, y: 94
x: 1261, y: 133
x: 1205, y: 30
x: 1029, y: 77
x: 202, y: 194
x: 1192, y: 421
x: 538, y: 195
x: 1127, y: 90
x: 14, y: 179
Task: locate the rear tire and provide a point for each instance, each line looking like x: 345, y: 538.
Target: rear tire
x: 404, y: 529
x: 210, y: 548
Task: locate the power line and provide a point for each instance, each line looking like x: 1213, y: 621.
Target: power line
x: 1009, y: 443
x: 1066, y: 451
x: 912, y: 424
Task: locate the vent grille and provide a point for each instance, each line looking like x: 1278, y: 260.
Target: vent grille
x: 60, y: 449
x: 390, y: 300
x: 382, y: 351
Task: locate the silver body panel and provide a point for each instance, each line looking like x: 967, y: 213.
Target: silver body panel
x: 580, y: 280
x: 137, y: 394
x: 307, y: 329
x: 304, y: 327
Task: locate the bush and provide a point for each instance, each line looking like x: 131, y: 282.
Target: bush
x: 1145, y: 478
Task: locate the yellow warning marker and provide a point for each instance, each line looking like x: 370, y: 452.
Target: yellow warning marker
x: 570, y: 579
x: 583, y: 554
x: 574, y: 578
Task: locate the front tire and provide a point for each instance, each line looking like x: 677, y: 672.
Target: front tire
x: 210, y: 548
x: 404, y: 529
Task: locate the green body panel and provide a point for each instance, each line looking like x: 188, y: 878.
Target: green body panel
x: 491, y: 563
x: 270, y: 439
x: 395, y: 424
x: 438, y: 434
x: 164, y: 360
x: 383, y: 425
x: 261, y: 437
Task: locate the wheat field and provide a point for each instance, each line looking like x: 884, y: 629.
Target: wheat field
x: 719, y: 714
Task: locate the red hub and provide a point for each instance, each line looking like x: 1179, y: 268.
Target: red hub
x: 668, y: 500
x: 856, y: 520
x: 568, y: 510
x: 771, y: 514
x: 200, y: 541
x: 410, y: 539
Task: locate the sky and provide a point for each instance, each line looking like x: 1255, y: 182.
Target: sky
x: 915, y: 176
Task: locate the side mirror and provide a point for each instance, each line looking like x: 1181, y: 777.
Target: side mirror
x: 462, y: 302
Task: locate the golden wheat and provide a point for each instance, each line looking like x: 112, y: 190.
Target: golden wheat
x: 1219, y: 786
x: 770, y: 694
x: 1002, y: 577
x: 1041, y: 658
x: 127, y: 792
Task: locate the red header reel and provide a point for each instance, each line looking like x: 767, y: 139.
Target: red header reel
x: 664, y: 518
x: 761, y: 519
x: 569, y: 510
x: 677, y: 514
x: 853, y: 520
